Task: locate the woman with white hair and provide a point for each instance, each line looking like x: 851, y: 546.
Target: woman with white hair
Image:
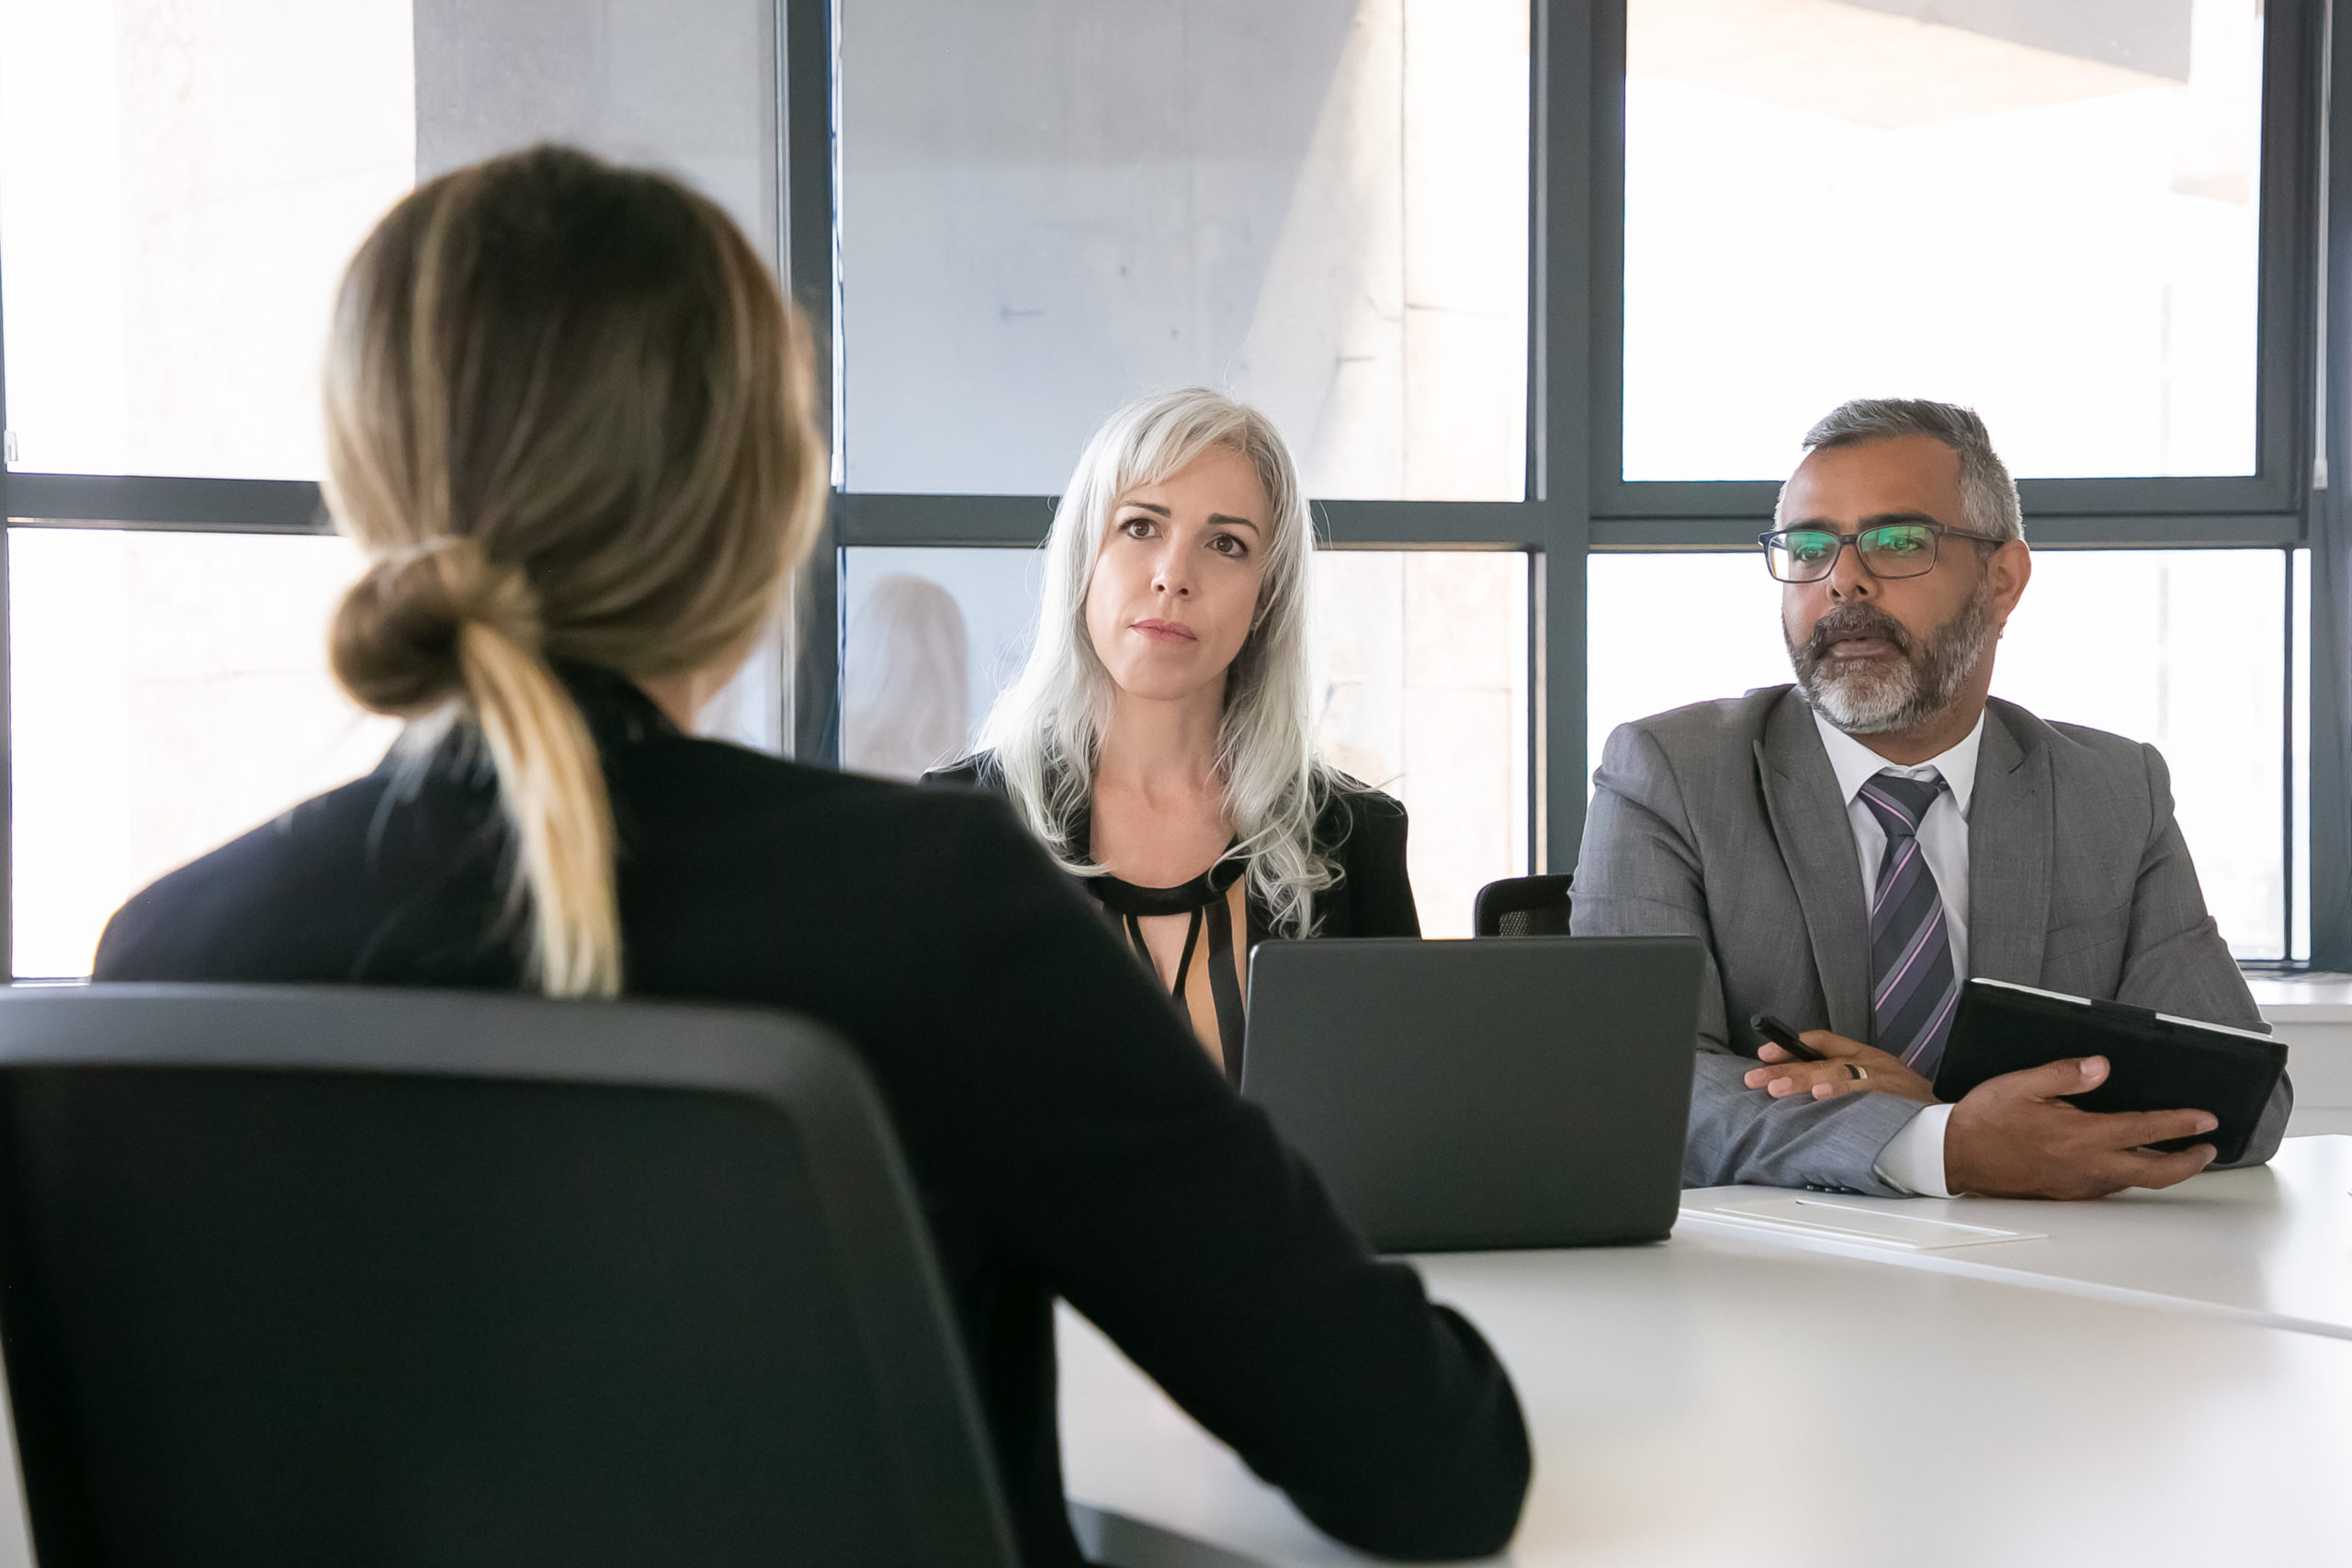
x: 1159, y: 741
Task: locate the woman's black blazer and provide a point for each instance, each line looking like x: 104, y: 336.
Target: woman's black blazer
x: 1069, y: 1136
x: 1359, y: 828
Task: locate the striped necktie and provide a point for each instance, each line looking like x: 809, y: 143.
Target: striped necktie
x: 1913, y: 989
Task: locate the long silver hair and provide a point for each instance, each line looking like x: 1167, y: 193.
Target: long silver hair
x: 1046, y: 730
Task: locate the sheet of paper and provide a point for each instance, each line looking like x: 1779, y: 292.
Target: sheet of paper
x: 1846, y: 1220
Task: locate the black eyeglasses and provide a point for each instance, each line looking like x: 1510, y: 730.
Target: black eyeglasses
x: 1889, y: 550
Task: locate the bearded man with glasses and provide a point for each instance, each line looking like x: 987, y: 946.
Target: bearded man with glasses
x: 1853, y: 848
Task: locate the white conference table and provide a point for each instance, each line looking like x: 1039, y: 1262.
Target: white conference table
x: 2271, y: 1246
x: 1741, y: 1395
x: 2158, y: 1379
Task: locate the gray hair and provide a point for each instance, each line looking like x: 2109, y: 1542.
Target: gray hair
x: 1046, y: 728
x: 1988, y: 497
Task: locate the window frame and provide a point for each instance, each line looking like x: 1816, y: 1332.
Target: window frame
x: 1575, y: 502
x: 2266, y: 507
x: 1549, y: 524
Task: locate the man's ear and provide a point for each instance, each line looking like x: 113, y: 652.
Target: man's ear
x: 2006, y: 574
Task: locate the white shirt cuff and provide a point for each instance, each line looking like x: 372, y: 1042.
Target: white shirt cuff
x: 1912, y: 1160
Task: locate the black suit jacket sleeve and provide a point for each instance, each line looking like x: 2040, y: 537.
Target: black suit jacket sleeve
x: 1375, y: 897
x: 1159, y: 1203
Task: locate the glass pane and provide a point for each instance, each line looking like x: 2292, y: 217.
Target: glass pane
x: 2299, y: 936
x: 1728, y: 615
x: 687, y: 86
x: 180, y: 189
x: 170, y: 691
x: 180, y: 185
x: 2186, y: 649
x: 2047, y: 212
x: 2108, y: 638
x: 1321, y: 206
x: 1421, y: 675
x: 934, y: 635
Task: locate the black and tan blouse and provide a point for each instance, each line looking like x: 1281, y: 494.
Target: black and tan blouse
x: 1360, y: 828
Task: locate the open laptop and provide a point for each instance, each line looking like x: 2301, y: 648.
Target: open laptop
x: 1504, y: 1093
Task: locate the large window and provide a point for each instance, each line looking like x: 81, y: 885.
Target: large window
x: 1322, y: 207
x: 179, y: 189
x: 1321, y: 204
x: 2046, y: 211
x: 1542, y: 295
x: 170, y: 691
x: 1422, y: 680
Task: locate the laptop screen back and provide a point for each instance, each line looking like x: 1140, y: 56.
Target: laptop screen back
x: 1511, y: 1092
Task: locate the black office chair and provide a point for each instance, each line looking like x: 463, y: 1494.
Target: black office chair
x: 1523, y: 906
x: 310, y: 1276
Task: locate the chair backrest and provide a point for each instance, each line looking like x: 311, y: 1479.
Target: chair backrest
x: 332, y: 1275
x: 1523, y: 906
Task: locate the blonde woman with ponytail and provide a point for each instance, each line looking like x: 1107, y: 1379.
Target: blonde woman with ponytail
x: 1159, y: 741
x: 569, y: 422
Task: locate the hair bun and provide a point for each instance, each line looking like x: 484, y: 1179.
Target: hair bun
x: 396, y: 642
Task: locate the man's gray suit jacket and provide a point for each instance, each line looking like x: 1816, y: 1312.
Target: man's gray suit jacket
x: 1724, y: 821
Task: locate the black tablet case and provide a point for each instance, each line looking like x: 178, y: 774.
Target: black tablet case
x: 2154, y: 1063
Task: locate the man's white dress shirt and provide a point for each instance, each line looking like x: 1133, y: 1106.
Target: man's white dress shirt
x: 1914, y: 1159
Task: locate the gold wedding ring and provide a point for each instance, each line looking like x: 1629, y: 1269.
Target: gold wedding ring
x: 1860, y: 1073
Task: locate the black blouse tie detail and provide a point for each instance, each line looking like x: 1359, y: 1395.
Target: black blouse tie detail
x: 1204, y: 900
x: 1359, y: 831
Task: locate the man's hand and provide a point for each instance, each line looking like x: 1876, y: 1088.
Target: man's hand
x: 2013, y: 1138
x: 1853, y: 1067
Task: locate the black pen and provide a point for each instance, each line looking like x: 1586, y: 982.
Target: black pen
x: 1781, y: 1034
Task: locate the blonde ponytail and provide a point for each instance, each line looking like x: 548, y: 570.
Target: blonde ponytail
x: 437, y: 624
x: 553, y: 791
x: 568, y: 417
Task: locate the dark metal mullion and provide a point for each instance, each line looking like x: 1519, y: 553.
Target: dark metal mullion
x: 1578, y: 110
x: 2185, y: 495
x: 2331, y: 545
x: 1607, y: 495
x: 894, y: 519
x: 2287, y: 172
x: 805, y: 81
x: 144, y: 502
x: 2161, y: 532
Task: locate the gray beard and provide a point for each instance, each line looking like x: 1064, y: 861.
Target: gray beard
x: 1876, y: 699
